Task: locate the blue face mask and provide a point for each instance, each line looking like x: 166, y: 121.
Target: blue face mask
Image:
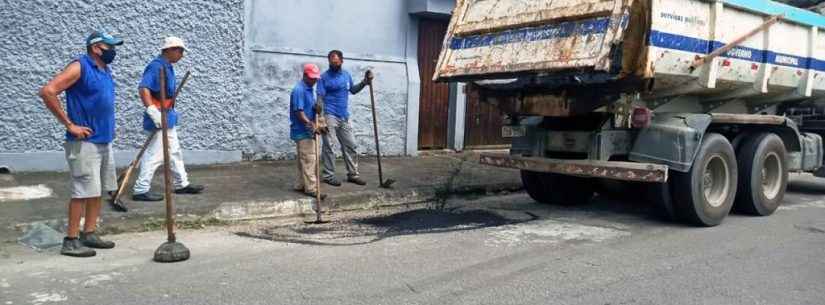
x: 108, y: 56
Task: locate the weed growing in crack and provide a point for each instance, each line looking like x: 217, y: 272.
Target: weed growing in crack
x: 446, y: 190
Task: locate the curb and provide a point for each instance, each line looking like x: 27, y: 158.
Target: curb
x: 295, y: 207
x: 252, y: 210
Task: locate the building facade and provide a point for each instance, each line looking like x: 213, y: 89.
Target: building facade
x: 244, y: 56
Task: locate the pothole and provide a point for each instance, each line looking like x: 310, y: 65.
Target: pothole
x: 344, y: 230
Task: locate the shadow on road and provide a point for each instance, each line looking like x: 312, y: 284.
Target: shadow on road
x: 359, y: 231
x: 806, y: 187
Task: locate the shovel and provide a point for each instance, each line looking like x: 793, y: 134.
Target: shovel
x: 318, y: 219
x: 115, y: 201
x: 381, y: 182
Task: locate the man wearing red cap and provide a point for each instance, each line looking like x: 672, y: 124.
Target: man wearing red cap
x: 302, y: 129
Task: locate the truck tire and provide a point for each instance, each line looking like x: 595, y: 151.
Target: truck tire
x: 704, y: 195
x: 557, y: 189
x: 763, y: 175
x: 534, y: 186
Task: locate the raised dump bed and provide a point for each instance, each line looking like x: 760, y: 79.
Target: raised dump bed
x: 699, y: 106
x: 660, y: 48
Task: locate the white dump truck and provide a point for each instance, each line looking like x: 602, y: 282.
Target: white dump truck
x: 698, y: 106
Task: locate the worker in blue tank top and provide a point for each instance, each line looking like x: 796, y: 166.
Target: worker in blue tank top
x: 89, y: 119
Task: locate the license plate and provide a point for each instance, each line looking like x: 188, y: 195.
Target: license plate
x: 513, y: 131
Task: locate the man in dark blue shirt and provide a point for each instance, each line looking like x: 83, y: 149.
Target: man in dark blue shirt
x: 302, y: 129
x: 334, y: 89
x: 90, y: 128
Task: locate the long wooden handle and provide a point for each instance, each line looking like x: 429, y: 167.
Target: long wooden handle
x: 167, y: 176
x: 182, y: 83
x: 735, y: 42
x: 375, y: 131
x: 317, y: 173
x: 125, y: 178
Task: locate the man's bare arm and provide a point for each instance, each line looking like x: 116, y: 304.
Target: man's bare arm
x: 55, y: 87
x: 145, y: 96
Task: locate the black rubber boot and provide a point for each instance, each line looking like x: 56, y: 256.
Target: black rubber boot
x: 356, y: 180
x: 73, y: 247
x: 91, y: 240
x: 332, y: 181
x: 190, y: 189
x: 147, y: 197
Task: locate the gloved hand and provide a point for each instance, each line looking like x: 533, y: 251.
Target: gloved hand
x: 368, y: 77
x: 154, y: 114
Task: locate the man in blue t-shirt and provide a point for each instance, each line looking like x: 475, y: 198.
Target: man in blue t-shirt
x: 334, y: 89
x: 149, y: 91
x: 303, y: 128
x: 90, y: 128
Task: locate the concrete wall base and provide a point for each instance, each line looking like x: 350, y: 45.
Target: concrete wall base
x: 56, y: 160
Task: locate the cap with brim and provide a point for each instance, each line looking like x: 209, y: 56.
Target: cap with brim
x: 312, y: 71
x: 99, y: 36
x: 173, y: 42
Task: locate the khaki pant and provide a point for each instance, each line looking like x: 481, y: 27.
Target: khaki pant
x: 307, y: 160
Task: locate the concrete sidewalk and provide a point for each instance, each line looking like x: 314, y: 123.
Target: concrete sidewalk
x: 253, y: 190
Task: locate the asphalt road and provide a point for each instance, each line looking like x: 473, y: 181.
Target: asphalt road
x: 501, y: 249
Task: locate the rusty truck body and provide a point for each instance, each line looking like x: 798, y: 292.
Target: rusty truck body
x: 692, y: 103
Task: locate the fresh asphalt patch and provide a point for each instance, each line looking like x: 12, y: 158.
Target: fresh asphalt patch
x: 502, y: 220
x: 354, y: 228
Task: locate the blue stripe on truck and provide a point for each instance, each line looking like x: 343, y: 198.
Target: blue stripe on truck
x: 547, y: 32
x: 701, y: 46
x: 657, y: 39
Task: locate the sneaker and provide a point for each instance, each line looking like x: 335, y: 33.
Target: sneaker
x: 356, y: 180
x: 91, y: 240
x: 147, y: 197
x: 73, y: 247
x: 190, y: 189
x: 312, y: 194
x: 332, y: 181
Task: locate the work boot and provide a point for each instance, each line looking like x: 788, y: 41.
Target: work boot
x: 356, y: 180
x: 91, y: 240
x: 332, y: 181
x: 313, y: 195
x: 73, y: 247
x: 190, y: 189
x: 149, y: 196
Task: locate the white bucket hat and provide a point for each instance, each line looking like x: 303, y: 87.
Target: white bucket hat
x: 172, y: 42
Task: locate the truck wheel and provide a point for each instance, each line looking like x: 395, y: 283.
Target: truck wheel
x: 704, y: 195
x: 557, y: 189
x: 763, y: 175
x: 534, y: 186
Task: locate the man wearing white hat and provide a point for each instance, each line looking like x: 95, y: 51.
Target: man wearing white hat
x: 149, y: 90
